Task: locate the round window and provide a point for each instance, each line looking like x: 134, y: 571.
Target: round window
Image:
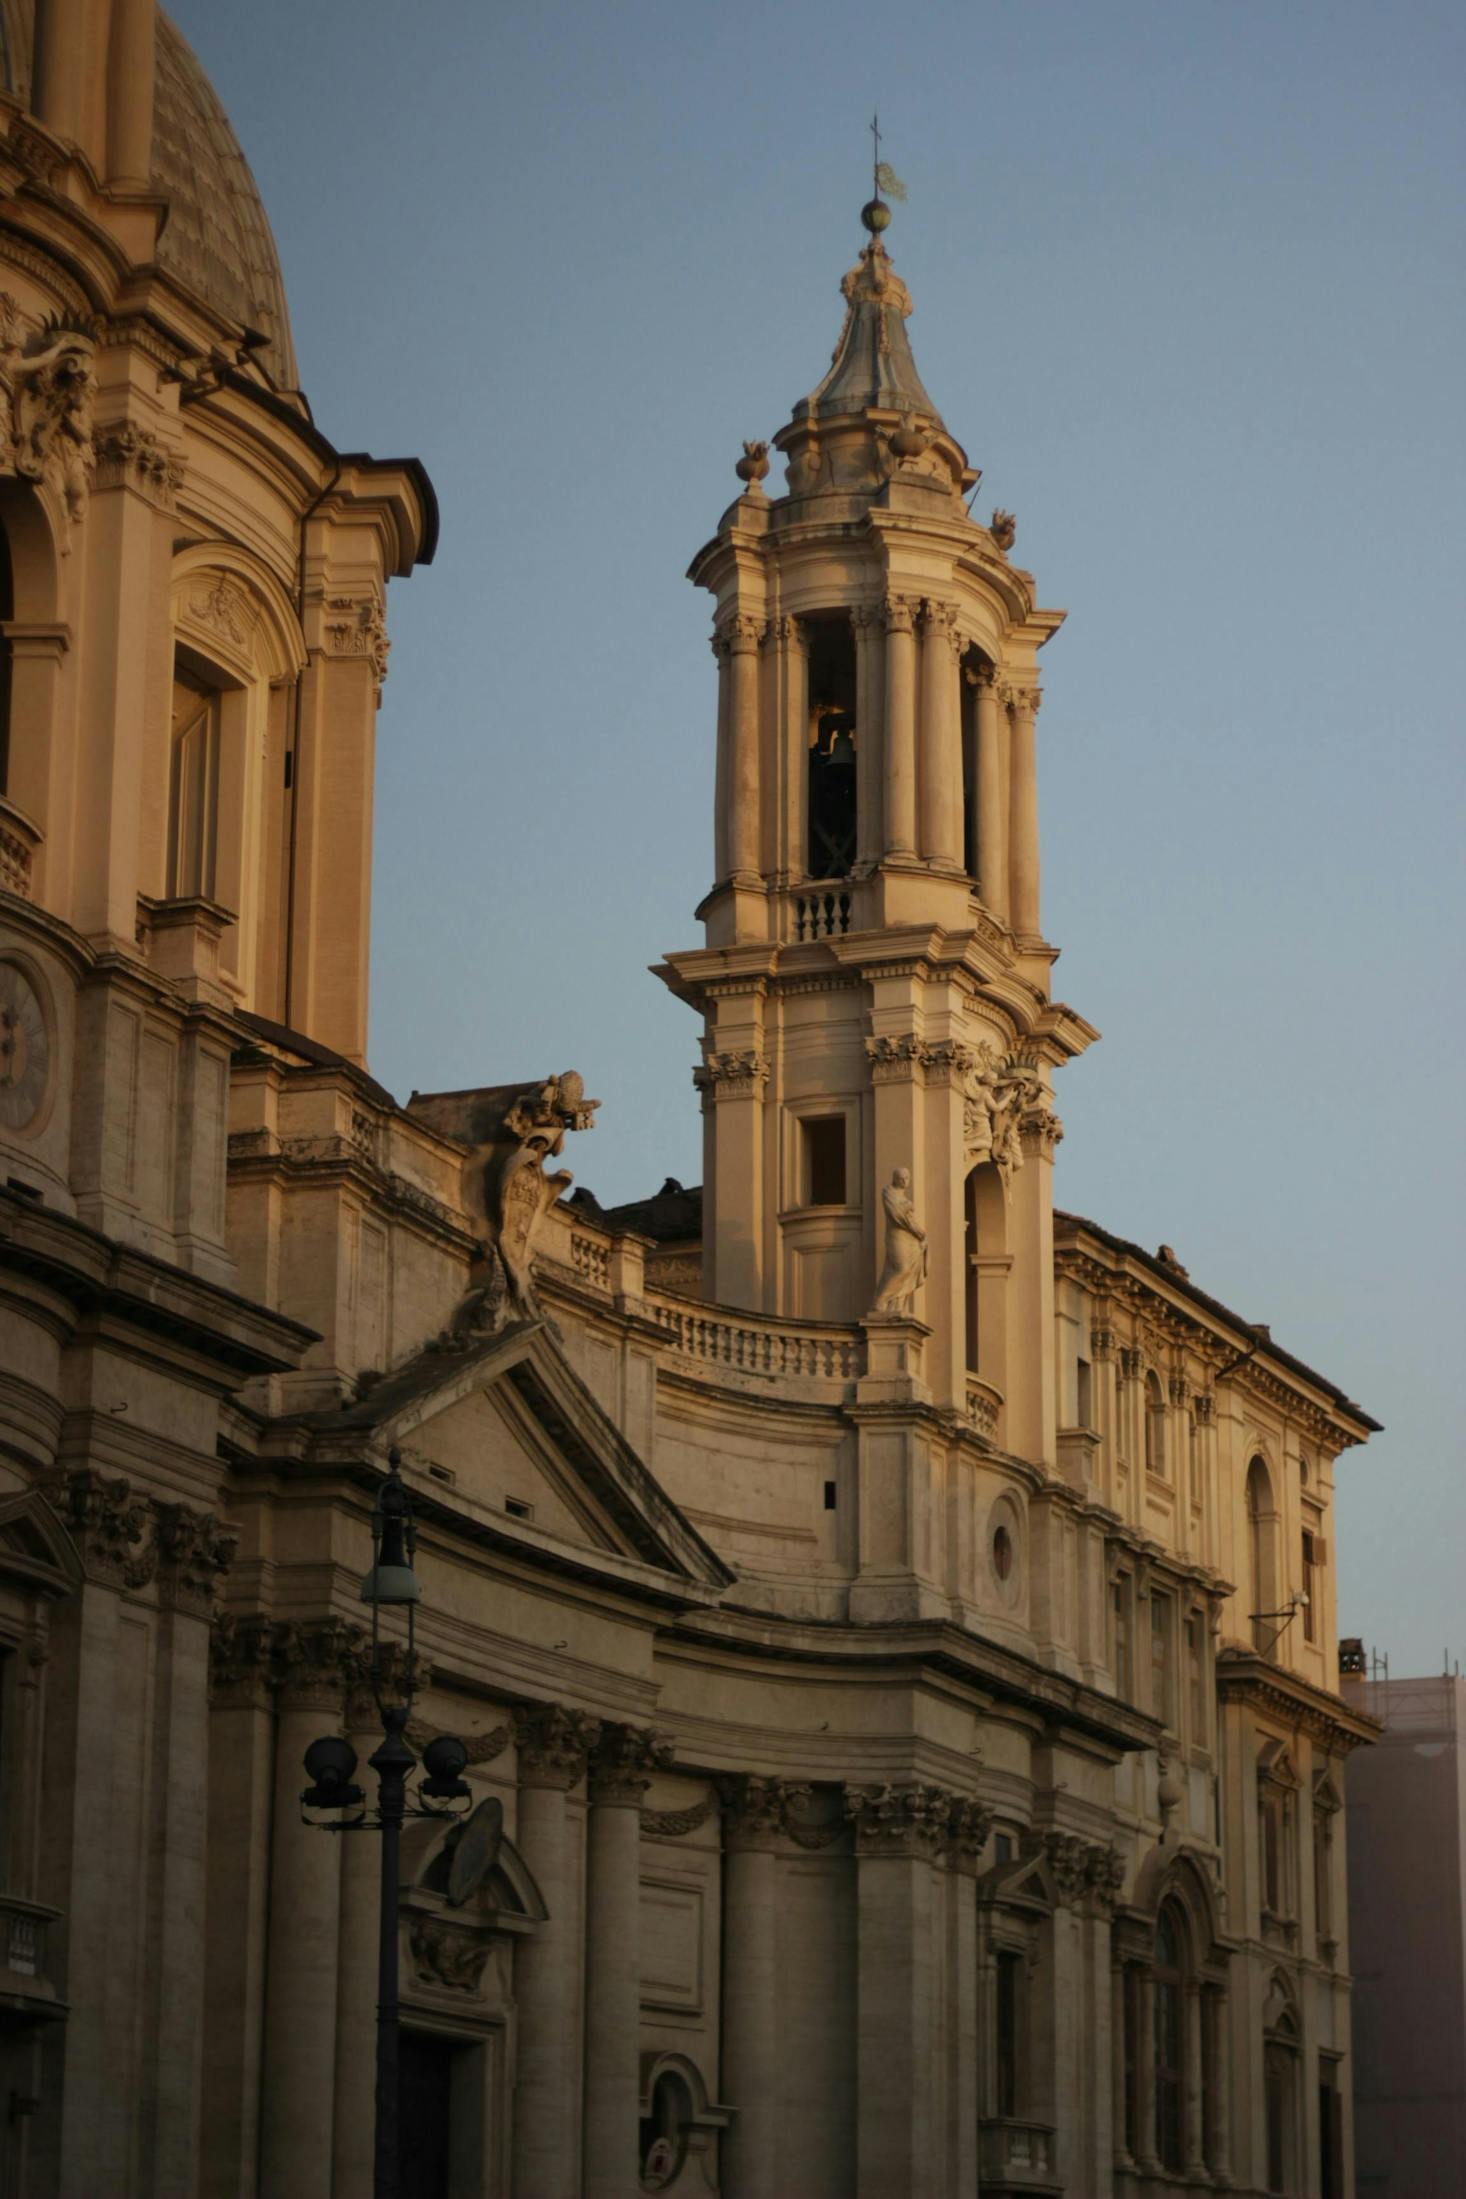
x: 1002, y: 1553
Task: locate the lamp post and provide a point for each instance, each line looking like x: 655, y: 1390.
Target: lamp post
x: 331, y: 1764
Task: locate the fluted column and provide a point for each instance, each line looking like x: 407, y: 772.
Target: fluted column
x: 1119, y: 2070
x: 743, y: 775
x: 900, y: 729
x: 620, y: 1773
x: 1023, y: 814
x: 992, y: 825
x: 941, y: 738
x: 553, y: 1744
x: 870, y: 710
x: 753, y: 1816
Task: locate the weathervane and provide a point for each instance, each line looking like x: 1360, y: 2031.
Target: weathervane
x: 876, y: 215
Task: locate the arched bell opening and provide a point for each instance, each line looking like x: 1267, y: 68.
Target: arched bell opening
x: 831, y: 750
x: 985, y: 1267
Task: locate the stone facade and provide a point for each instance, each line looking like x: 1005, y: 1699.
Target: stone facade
x: 896, y: 1619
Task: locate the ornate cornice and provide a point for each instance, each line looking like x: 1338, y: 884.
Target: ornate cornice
x: 1243, y: 1677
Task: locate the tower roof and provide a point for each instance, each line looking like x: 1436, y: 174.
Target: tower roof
x: 872, y: 368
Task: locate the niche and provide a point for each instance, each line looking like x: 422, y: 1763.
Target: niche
x: 832, y: 745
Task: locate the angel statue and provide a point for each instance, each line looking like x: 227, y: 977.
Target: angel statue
x: 905, y: 1269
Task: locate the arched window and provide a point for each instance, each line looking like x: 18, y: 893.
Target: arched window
x: 1155, y: 1425
x: 1280, y: 2091
x: 985, y: 1267
x: 1170, y: 2038
x: 1262, y: 1555
x: 833, y: 741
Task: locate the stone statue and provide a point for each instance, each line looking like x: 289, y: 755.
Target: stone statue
x: 511, y: 1131
x: 905, y: 1269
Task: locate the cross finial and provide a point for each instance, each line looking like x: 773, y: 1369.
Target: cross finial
x: 875, y: 158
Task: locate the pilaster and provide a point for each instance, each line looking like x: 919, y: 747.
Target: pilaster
x: 620, y: 1772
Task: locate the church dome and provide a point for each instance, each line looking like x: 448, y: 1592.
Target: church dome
x: 216, y: 238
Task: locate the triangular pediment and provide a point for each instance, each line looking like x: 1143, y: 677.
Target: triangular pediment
x: 34, y: 1545
x: 511, y: 1434
x: 1024, y: 1882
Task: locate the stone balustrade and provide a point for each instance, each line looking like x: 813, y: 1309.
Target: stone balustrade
x: 984, y: 1406
x: 19, y: 840
x: 25, y: 1983
x: 1016, y: 2156
x: 744, y: 1343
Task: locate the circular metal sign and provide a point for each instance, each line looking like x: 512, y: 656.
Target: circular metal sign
x: 475, y: 1852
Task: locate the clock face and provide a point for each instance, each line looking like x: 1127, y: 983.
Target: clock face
x: 25, y: 1049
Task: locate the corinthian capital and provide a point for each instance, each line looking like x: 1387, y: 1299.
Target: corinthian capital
x: 755, y: 1809
x: 624, y: 1761
x: 739, y: 633
x: 900, y: 614
x: 554, y: 1744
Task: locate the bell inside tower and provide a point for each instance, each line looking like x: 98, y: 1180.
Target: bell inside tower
x: 833, y: 750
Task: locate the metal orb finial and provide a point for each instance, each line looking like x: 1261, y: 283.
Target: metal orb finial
x: 875, y: 215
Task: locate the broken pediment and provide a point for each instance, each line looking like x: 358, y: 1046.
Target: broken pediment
x: 518, y: 1438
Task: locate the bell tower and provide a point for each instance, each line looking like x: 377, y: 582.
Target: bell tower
x: 875, y: 979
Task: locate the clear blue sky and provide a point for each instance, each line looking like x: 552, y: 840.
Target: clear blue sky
x: 1188, y: 287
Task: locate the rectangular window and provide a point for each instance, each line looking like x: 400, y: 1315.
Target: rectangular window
x: 1120, y: 1639
x: 824, y: 1160
x: 1196, y: 1677
x: 1162, y: 1693
x: 1310, y: 1586
x: 1009, y: 1989
x: 193, y: 791
x: 1323, y: 1877
x: 1084, y: 1404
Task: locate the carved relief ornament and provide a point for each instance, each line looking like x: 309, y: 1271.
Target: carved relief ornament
x: 47, y: 390
x: 128, y: 456
x: 554, y: 1744
x: 195, y: 1551
x: 108, y: 1523
x: 737, y: 1074
x: 624, y: 1762
x: 226, y: 608
x: 359, y: 629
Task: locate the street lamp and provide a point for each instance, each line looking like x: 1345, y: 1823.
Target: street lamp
x: 331, y: 1763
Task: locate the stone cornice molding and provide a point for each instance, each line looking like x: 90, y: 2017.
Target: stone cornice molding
x: 1244, y: 1677
x: 624, y: 1763
x: 554, y: 1744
